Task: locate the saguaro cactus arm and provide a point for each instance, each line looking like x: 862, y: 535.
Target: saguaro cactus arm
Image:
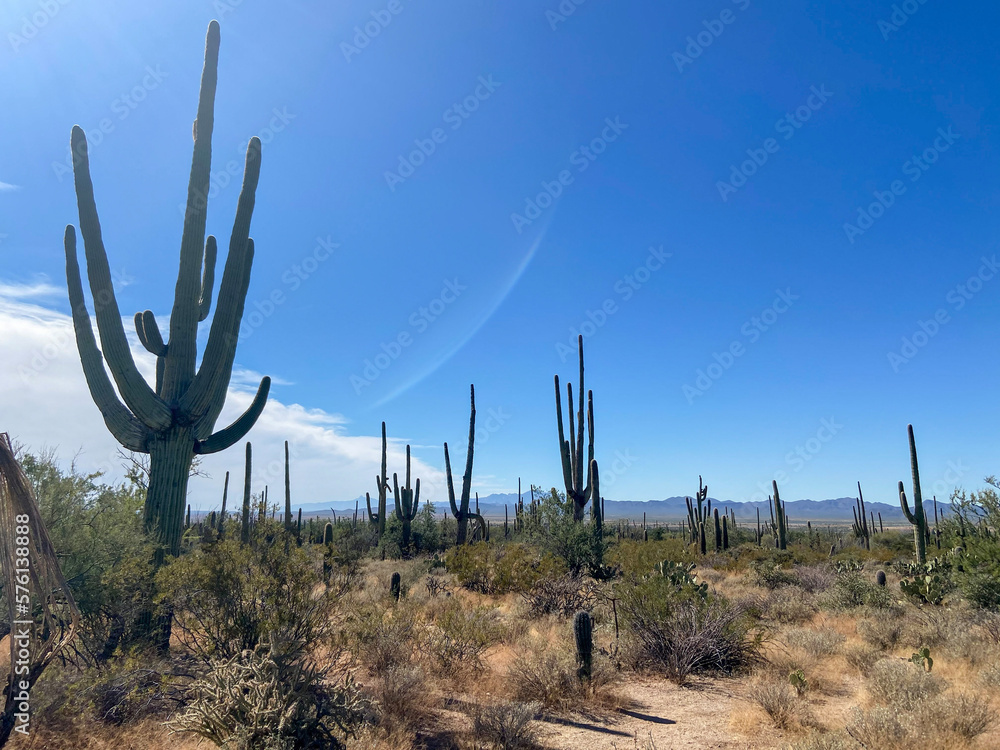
x: 135, y: 391
x: 235, y: 432
x: 127, y: 430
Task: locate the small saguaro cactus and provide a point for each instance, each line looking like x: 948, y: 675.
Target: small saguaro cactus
x: 718, y: 531
x: 173, y: 420
x: 407, y: 501
x: 583, y: 633
x: 248, y: 469
x: 328, y: 533
x: 571, y: 451
x: 880, y: 578
x: 461, y: 512
x: 395, y: 586
x: 382, y: 483
x: 916, y: 517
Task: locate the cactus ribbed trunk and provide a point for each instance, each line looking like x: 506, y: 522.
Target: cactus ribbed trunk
x: 916, y: 517
x: 461, y: 511
x: 579, y: 489
x: 169, y: 468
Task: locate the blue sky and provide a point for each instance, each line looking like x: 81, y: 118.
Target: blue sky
x: 764, y: 200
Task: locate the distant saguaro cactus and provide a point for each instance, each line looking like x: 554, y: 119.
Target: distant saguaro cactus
x: 697, y: 515
x: 573, y: 462
x: 407, y: 501
x: 917, y: 517
x: 222, y: 513
x: 382, y: 482
x: 247, y: 470
x: 583, y: 634
x: 779, y: 521
x: 288, y: 496
x: 860, y: 526
x: 461, y: 512
x: 175, y: 420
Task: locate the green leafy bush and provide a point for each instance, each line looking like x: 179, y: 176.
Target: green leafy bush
x: 501, y: 568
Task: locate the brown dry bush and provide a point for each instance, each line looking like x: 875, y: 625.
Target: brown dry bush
x: 824, y: 741
x: 506, y: 726
x: 550, y: 679
x: 900, y: 684
x: 963, y: 715
x: 461, y: 636
x: 817, y: 643
x: 879, y: 727
x: 778, y: 700
x: 880, y: 631
x: 862, y: 657
x: 815, y: 579
x: 402, y: 696
x: 788, y: 606
x: 381, y: 638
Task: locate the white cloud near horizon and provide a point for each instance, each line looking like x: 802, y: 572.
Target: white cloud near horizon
x: 45, y: 404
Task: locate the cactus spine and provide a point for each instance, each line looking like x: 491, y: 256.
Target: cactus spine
x: 583, y: 632
x: 245, y: 527
x: 916, y: 517
x: 572, y: 455
x: 461, y: 512
x: 175, y: 420
x: 382, y: 482
x: 407, y: 502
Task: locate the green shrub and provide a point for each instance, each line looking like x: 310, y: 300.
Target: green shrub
x: 501, y: 568
x: 853, y: 590
x: 461, y: 636
x: 767, y: 574
x: 231, y: 597
x: 679, y: 633
x: 982, y: 590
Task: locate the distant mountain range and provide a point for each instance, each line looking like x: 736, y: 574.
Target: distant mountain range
x: 671, y: 509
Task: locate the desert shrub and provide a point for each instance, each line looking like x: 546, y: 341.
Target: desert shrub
x: 990, y: 675
x: 500, y: 569
x: 962, y: 715
x: 382, y: 638
x: 929, y: 627
x: 767, y: 574
x: 879, y: 727
x: 881, y: 631
x: 853, y: 590
x: 636, y: 558
x: 778, y: 700
x: 815, y: 579
x: 229, y: 598
x: 563, y: 596
x: 817, y: 643
x: 123, y: 697
x: 901, y: 685
x: 681, y: 633
x: 551, y: 680
x: 862, y: 657
x: 263, y: 700
x: 103, y: 551
x: 579, y: 547
x: 982, y: 590
x: 787, y: 606
x: 461, y: 636
x: 506, y: 726
x: 401, y: 694
x: 816, y: 740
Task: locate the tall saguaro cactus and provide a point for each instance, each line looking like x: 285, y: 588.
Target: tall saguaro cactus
x: 698, y: 516
x: 288, y: 495
x: 407, y: 501
x: 175, y: 420
x: 461, y: 512
x: 779, y: 521
x: 382, y: 482
x: 571, y: 451
x: 860, y: 526
x: 247, y: 471
x: 916, y: 517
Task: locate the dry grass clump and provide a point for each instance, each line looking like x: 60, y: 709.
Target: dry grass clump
x: 824, y: 741
x: 815, y: 579
x: 962, y: 715
x: 461, y: 636
x: 381, y: 637
x: 778, y: 700
x: 788, y: 606
x: 990, y: 675
x: 879, y: 727
x: 882, y: 631
x: 862, y: 657
x: 550, y: 679
x: 506, y: 726
x: 815, y: 642
x: 900, y: 684
x: 402, y: 697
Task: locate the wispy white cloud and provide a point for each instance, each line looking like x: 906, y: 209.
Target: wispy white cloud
x: 6, y: 187
x: 40, y: 288
x: 45, y: 403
